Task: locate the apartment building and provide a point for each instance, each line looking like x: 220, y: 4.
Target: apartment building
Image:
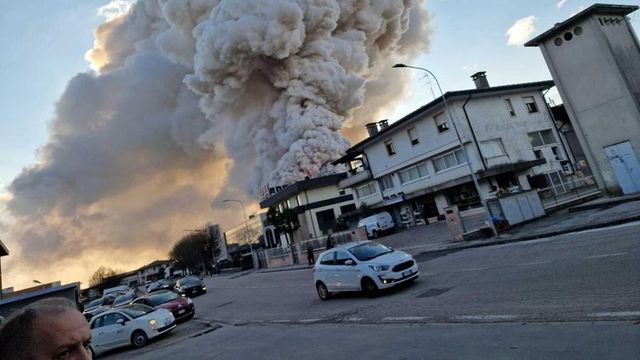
x: 416, y: 166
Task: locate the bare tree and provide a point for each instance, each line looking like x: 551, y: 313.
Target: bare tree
x: 100, y: 274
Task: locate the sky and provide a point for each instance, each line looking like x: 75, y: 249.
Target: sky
x: 45, y: 44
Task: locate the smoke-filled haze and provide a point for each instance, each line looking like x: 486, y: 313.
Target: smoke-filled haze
x: 192, y: 102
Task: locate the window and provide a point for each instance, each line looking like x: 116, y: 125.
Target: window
x: 540, y: 138
x: 556, y: 152
x: 530, y: 104
x: 413, y: 173
x: 538, y: 154
x: 327, y: 259
x: 441, y: 123
x: 342, y: 257
x: 391, y: 150
x: 386, y: 182
x: 298, y: 199
x: 413, y: 136
x: 341, y: 191
x: 509, y: 105
x: 492, y: 148
x: 366, y: 190
x: 449, y: 160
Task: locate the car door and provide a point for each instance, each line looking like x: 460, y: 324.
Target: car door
x: 327, y: 270
x: 347, y: 274
x: 109, y: 333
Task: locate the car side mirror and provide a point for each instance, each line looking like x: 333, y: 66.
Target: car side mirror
x: 120, y: 321
x: 349, y: 263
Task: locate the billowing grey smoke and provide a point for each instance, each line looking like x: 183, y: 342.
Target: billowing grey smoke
x: 305, y: 62
x: 198, y: 99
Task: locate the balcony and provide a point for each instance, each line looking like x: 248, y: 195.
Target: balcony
x: 354, y: 179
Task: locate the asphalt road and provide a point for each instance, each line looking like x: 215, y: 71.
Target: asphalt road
x: 570, y: 295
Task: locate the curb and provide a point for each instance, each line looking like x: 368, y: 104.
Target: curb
x: 533, y: 236
x: 613, y: 202
x: 284, y: 269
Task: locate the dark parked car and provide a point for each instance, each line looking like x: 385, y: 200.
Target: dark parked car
x: 190, y: 286
x: 98, y: 306
x: 124, y: 299
x: 180, y: 306
x: 160, y: 285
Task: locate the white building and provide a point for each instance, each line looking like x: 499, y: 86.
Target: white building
x: 318, y: 201
x: 416, y: 165
x: 594, y: 58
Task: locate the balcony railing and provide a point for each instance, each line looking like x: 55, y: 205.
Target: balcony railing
x: 354, y: 179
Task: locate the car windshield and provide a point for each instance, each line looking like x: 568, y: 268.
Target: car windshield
x: 137, y: 310
x: 122, y: 299
x: 162, y: 297
x: 368, y: 251
x: 94, y: 303
x: 188, y: 281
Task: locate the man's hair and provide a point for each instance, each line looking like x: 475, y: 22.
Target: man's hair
x: 16, y: 333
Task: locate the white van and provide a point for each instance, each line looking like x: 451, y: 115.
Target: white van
x: 377, y: 224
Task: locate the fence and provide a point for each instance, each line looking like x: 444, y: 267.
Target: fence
x: 562, y: 191
x: 284, y: 256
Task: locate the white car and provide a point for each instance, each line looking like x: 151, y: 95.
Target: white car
x: 362, y: 266
x: 129, y: 325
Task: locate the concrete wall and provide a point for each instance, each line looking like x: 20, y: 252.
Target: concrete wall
x: 598, y: 77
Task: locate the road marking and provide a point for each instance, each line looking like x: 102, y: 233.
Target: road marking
x: 468, y: 270
x: 616, y: 314
x: 605, y: 255
x: 488, y: 317
x: 306, y: 321
x: 404, y: 318
x: 353, y: 318
x: 534, y: 263
x: 281, y: 321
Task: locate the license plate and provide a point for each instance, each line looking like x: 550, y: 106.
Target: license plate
x: 407, y: 273
x: 181, y: 311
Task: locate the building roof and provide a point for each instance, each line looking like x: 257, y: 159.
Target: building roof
x: 449, y: 95
x: 603, y: 9
x: 3, y: 249
x: 300, y: 186
x: 155, y: 263
x: 39, y: 293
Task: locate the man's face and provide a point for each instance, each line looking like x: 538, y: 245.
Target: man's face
x: 63, y: 336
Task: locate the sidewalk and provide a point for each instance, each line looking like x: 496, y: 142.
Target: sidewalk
x: 435, y: 237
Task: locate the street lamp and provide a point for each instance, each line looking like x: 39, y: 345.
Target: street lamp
x: 462, y: 147
x: 246, y: 229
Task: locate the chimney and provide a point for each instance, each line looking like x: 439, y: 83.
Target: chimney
x: 372, y: 128
x: 480, y: 79
x: 383, y: 124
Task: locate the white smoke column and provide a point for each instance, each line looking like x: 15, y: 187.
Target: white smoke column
x: 132, y: 161
x: 281, y: 76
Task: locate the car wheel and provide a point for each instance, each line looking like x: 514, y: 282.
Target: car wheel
x: 369, y: 287
x: 139, y: 338
x: 323, y: 292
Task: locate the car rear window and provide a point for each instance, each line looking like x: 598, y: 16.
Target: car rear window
x: 162, y: 297
x: 137, y: 310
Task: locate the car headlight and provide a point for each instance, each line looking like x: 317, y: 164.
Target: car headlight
x: 379, y: 267
x: 204, y: 288
x: 153, y: 323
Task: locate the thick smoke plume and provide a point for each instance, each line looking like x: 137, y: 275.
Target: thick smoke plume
x: 194, y: 100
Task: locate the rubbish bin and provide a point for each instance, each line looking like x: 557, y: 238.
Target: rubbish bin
x: 454, y: 223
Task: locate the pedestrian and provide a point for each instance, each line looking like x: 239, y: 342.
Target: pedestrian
x: 310, y: 254
x: 48, y: 329
x: 330, y: 242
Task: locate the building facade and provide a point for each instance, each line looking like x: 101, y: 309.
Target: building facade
x: 594, y: 58
x: 416, y: 167
x: 319, y: 203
